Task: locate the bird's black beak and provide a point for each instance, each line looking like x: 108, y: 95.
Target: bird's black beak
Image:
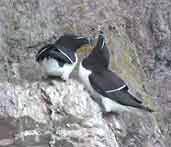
x: 91, y: 40
x: 101, y: 40
x: 87, y: 40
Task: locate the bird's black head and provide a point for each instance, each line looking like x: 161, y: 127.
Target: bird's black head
x: 99, y: 58
x: 72, y: 41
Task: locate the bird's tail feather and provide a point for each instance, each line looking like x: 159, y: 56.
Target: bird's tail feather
x: 138, y: 103
x: 146, y: 108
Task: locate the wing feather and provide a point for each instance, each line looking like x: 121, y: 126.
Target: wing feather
x: 109, y: 81
x: 51, y: 51
x: 102, y: 82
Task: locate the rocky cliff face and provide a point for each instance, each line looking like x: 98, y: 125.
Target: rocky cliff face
x: 53, y: 113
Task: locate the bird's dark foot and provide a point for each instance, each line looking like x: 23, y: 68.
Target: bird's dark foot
x: 51, y: 79
x: 110, y: 118
x: 114, y: 123
x: 44, y: 77
x: 55, y: 78
x: 107, y: 116
x: 110, y: 114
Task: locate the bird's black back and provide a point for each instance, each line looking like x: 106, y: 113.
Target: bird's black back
x: 106, y: 81
x: 52, y: 51
x: 72, y: 41
x: 63, y: 49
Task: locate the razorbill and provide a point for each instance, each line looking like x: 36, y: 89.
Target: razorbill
x: 59, y: 59
x: 105, y: 86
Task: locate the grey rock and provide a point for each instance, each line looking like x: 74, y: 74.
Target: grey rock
x: 74, y: 117
x: 63, y: 143
x: 139, y: 34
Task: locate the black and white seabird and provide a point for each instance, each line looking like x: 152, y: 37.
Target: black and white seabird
x: 105, y: 86
x: 59, y: 59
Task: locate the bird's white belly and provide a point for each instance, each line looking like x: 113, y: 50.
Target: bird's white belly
x: 109, y: 105
x: 112, y: 106
x: 52, y: 68
x: 84, y: 77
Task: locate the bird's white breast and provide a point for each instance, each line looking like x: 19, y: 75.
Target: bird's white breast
x: 84, y: 77
x: 52, y: 68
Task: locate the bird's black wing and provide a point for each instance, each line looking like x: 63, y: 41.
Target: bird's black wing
x: 107, y: 81
x: 44, y: 48
x: 51, y: 51
x: 69, y: 53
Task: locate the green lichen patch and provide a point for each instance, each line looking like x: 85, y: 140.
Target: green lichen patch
x: 125, y: 62
x: 85, y: 49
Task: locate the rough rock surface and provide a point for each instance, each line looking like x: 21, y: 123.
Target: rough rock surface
x: 52, y: 114
x: 43, y: 113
